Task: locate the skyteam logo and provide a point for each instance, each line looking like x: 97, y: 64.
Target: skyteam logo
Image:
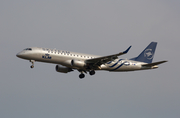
x: 148, y: 53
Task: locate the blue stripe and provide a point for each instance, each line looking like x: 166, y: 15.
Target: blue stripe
x: 116, y: 63
x: 109, y: 62
x: 118, y: 67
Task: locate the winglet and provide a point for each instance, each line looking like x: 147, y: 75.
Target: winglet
x: 127, y: 49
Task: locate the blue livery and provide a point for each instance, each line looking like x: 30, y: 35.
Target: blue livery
x: 148, y: 53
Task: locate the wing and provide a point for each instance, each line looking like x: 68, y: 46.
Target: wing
x: 102, y: 60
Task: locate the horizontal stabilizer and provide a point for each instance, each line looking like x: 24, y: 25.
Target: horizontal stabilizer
x: 155, y: 63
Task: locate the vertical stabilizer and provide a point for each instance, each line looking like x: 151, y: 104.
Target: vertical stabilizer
x: 148, y: 53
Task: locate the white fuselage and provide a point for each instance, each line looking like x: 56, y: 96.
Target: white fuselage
x: 65, y: 57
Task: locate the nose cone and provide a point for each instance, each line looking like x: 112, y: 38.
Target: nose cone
x: 20, y: 55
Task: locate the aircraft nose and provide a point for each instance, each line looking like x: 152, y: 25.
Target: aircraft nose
x: 19, y: 54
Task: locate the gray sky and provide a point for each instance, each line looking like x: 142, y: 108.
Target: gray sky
x: 98, y: 27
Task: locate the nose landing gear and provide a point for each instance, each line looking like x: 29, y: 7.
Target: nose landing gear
x: 32, y: 61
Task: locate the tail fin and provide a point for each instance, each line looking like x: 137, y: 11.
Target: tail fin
x: 148, y: 53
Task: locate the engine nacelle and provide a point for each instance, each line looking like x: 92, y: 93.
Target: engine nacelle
x: 63, y: 69
x: 78, y: 64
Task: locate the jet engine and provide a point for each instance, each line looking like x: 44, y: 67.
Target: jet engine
x: 78, y: 64
x: 63, y: 69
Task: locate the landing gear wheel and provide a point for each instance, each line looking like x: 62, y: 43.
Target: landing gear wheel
x: 92, y: 72
x: 32, y: 61
x: 81, y: 76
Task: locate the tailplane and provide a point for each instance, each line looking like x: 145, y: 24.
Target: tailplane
x: 147, y: 54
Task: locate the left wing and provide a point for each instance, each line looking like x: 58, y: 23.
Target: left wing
x: 102, y: 60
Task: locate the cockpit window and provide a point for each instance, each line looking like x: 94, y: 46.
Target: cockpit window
x: 28, y: 49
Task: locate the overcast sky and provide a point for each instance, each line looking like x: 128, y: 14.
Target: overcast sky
x: 99, y: 27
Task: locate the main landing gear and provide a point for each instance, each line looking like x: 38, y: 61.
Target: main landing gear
x: 82, y: 75
x: 92, y: 72
x: 32, y: 61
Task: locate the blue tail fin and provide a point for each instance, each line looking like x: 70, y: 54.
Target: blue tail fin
x: 148, y: 53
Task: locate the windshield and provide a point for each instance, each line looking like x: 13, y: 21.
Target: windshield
x: 28, y: 49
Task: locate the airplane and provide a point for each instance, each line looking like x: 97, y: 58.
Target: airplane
x: 69, y: 61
